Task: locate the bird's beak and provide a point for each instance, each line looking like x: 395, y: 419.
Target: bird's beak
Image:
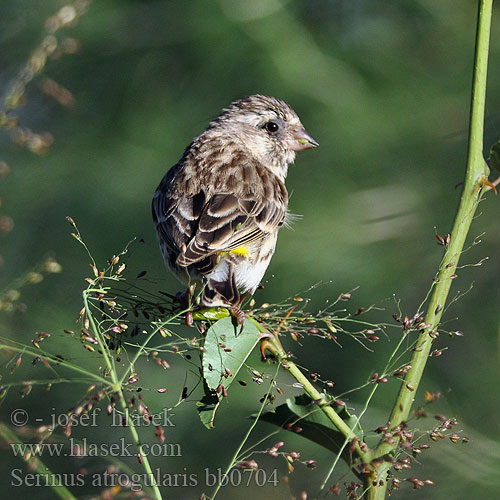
x: 301, y: 140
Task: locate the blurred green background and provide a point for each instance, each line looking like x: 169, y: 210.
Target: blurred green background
x: 382, y: 85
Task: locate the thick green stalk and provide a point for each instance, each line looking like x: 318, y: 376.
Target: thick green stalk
x: 274, y: 345
x: 475, y: 177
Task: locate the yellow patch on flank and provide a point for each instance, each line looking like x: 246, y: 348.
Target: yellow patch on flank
x: 241, y: 251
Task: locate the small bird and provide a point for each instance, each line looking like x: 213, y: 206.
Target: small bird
x: 217, y: 212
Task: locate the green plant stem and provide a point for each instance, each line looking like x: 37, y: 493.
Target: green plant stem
x: 25, y: 350
x: 476, y: 174
x: 137, y: 355
x: 135, y: 436
x: 38, y: 466
x: 143, y: 346
x: 108, y: 359
x: 274, y: 345
x: 247, y: 435
x: 116, y: 386
x: 311, y: 391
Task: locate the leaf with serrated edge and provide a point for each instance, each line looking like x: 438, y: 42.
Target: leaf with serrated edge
x: 217, y: 360
x: 207, y: 406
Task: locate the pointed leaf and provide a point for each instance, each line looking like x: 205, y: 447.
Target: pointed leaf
x: 300, y: 411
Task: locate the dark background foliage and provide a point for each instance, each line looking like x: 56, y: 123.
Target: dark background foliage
x: 382, y: 85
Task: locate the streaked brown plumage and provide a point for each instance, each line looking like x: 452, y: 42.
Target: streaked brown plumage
x: 217, y: 212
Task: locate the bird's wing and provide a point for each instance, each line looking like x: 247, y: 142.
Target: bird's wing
x: 221, y: 217
x: 228, y: 223
x: 175, y: 214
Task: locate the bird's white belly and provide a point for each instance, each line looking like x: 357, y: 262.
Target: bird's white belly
x: 248, y: 274
x: 248, y: 271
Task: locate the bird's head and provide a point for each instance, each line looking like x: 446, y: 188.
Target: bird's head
x: 268, y: 127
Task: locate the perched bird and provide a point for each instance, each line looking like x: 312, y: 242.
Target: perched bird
x: 218, y: 211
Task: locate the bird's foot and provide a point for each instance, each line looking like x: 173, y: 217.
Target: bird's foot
x: 239, y: 315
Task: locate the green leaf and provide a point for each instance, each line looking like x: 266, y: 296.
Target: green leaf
x: 226, y: 350
x: 218, y: 362
x: 302, y: 412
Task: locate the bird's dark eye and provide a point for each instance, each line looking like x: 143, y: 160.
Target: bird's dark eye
x: 271, y: 127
